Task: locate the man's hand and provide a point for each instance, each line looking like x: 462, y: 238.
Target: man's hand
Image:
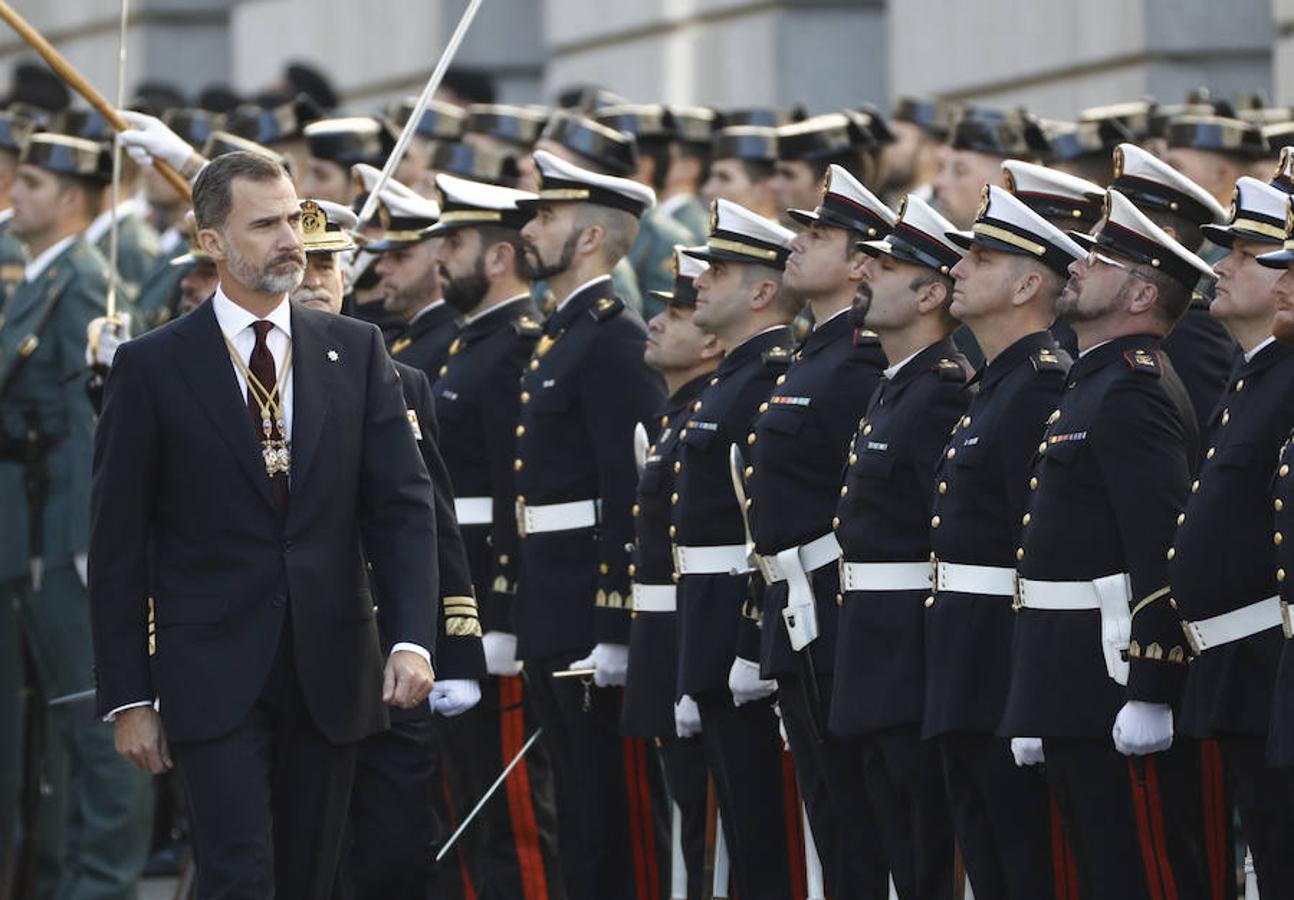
x: 745, y: 683
x: 687, y: 717
x: 1027, y: 751
x: 138, y: 735
x: 454, y: 696
x: 609, y: 662
x: 148, y: 138
x: 103, y: 336
x: 407, y: 681
x: 500, y: 653
x: 1142, y: 728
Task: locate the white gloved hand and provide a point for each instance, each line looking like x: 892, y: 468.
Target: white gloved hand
x: 1027, y: 751
x: 454, y: 696
x: 687, y: 717
x: 81, y: 561
x: 1142, y: 728
x: 500, y: 653
x: 745, y: 683
x: 151, y: 136
x: 609, y: 662
x: 103, y: 336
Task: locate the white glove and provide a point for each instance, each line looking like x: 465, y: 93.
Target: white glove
x: 454, y: 696
x: 500, y: 653
x: 81, y: 561
x: 150, y: 136
x: 687, y: 718
x: 1141, y: 728
x: 1027, y: 751
x: 745, y: 683
x: 103, y: 336
x: 609, y: 662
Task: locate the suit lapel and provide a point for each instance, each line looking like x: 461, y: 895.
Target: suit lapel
x: 206, y: 368
x: 312, y: 369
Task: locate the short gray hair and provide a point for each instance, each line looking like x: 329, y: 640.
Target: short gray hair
x: 213, y: 191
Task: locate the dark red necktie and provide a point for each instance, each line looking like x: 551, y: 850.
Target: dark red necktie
x: 262, y: 366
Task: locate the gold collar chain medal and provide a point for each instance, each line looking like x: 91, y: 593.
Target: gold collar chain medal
x: 276, y: 453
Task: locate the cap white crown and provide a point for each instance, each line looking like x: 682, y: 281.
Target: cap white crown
x: 688, y: 266
x: 925, y: 218
x: 411, y: 206
x: 1007, y: 207
x: 1260, y: 197
x: 359, y: 124
x: 341, y: 216
x: 1138, y: 163
x: 368, y: 177
x: 478, y: 195
x: 1029, y: 178
x: 551, y: 166
x: 1123, y: 212
x: 736, y: 219
x: 842, y: 183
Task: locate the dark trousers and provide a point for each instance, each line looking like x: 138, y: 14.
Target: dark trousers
x: 606, y: 789
x: 905, y: 781
x: 1266, y: 813
x: 393, y: 829
x: 1001, y: 816
x: 1134, y: 823
x: 831, y: 781
x: 269, y: 799
x: 510, y: 850
x: 744, y: 754
x: 687, y: 782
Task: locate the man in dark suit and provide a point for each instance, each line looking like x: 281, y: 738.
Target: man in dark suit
x: 227, y: 578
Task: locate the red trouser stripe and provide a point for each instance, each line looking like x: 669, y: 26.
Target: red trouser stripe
x: 521, y: 811
x: 1141, y: 807
x: 1064, y: 874
x: 794, y: 827
x: 635, y: 818
x: 1215, y: 816
x: 1156, y: 809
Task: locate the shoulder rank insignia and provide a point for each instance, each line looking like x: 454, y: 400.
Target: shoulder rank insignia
x: 545, y: 344
x: 456, y: 347
x: 401, y: 345
x: 865, y: 337
x: 777, y: 357
x: 413, y: 423
x: 1143, y: 361
x: 1046, y: 360
x: 606, y: 308
x: 527, y: 326
x: 950, y: 370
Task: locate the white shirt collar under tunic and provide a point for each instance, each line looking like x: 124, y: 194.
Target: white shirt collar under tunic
x: 1250, y: 354
x: 37, y: 266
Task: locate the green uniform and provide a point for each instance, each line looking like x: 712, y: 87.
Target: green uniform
x: 652, y: 256
x: 46, y: 447
x: 159, y: 291
x: 693, y: 215
x: 138, y: 253
x: 13, y: 259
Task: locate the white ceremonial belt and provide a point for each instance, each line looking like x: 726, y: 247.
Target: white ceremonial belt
x: 474, y: 510
x: 884, y: 576
x: 819, y: 552
x: 1111, y: 595
x: 722, y: 559
x: 964, y: 578
x: 655, y: 598
x: 1235, y: 625
x: 557, y: 516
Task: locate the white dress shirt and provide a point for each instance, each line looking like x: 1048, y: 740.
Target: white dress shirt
x: 37, y: 266
x: 1250, y: 354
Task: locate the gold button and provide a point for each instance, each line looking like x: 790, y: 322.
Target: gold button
x: 943, y: 487
x: 965, y: 421
x: 519, y: 465
x: 696, y: 407
x: 1026, y: 519
x: 444, y: 370
x: 1278, y: 504
x: 521, y: 430
x: 1033, y: 483
x: 1171, y: 552
x: 503, y: 558
x: 664, y: 420
x: 930, y: 601
x: 749, y: 503
x: 534, y: 364
x: 714, y: 380
x: 673, y: 531
x: 840, y: 599
x: 1280, y: 574
x: 853, y: 458
x: 1226, y: 416
x: 604, y: 568
x: 750, y: 470
x: 1195, y: 486
x: 1181, y: 517
x: 835, y: 523
x: 1054, y: 417
x: 525, y: 397
x: 867, y: 429
x: 633, y: 570
x: 1212, y: 452
x: 677, y: 577
x: 781, y: 379
x: 1240, y: 385
x: 750, y: 438
x: 934, y: 521
x: 1019, y: 553
x: 637, y: 510
x: 1278, y: 538
x: 1284, y: 470
x: 763, y: 407
x: 673, y: 498
x: 844, y: 489
x: 678, y: 466
x: 1042, y: 448
x: 952, y: 451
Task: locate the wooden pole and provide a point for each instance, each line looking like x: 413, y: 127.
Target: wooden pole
x: 65, y: 70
